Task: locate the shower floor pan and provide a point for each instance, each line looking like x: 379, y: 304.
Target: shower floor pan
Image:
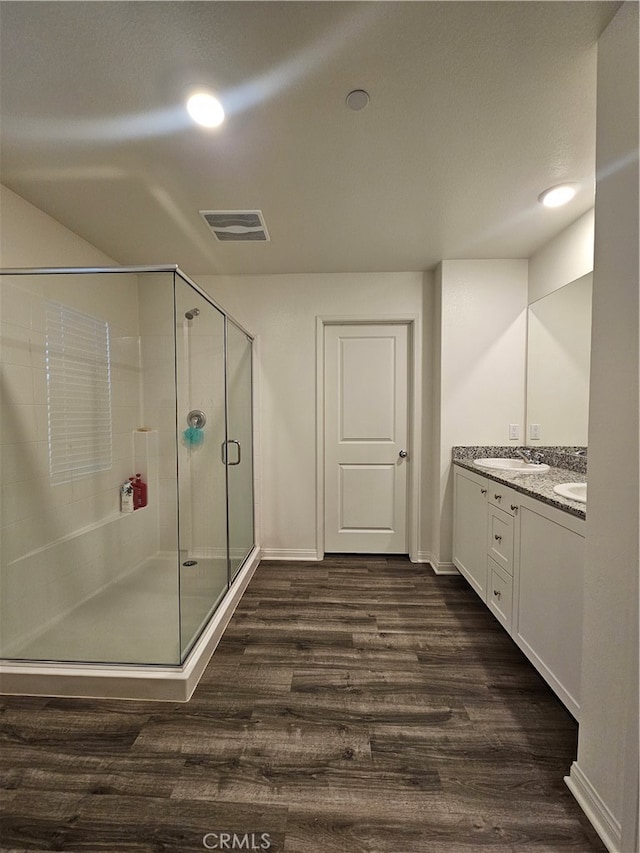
x: 138, y: 611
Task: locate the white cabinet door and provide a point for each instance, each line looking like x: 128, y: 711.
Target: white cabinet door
x: 366, y: 430
x: 470, y: 528
x: 549, y: 563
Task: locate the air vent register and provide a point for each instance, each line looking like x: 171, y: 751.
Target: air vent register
x: 236, y: 225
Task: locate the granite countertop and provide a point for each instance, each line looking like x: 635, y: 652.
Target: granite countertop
x: 539, y: 486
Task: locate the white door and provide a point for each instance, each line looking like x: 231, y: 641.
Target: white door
x: 365, y: 428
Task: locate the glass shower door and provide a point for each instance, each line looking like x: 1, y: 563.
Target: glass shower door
x: 239, y: 448
x: 200, y: 415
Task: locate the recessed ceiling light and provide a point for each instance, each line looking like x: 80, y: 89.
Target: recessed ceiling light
x: 205, y: 109
x: 557, y: 196
x: 357, y: 100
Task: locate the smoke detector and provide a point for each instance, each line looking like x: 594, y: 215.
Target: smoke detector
x: 357, y: 100
x: 240, y: 226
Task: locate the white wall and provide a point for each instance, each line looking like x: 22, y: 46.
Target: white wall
x: 282, y: 311
x: 482, y: 307
x: 474, y: 329
x: 30, y: 238
x: 568, y: 256
x: 606, y: 772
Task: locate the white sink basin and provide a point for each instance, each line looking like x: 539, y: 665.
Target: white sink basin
x: 516, y: 466
x: 575, y: 491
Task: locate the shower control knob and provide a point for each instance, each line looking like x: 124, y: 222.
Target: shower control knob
x: 402, y: 454
x: 196, y: 419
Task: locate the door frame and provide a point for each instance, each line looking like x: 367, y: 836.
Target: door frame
x: 414, y: 419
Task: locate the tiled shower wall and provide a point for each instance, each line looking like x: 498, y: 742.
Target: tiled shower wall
x: 62, y: 543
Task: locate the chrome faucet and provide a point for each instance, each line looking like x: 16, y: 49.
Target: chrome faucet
x: 529, y: 456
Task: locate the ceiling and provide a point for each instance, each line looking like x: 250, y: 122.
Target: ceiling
x: 475, y: 109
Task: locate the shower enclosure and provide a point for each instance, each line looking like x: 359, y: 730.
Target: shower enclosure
x: 106, y: 374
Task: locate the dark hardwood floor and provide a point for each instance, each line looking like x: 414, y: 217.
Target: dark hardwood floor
x: 358, y: 704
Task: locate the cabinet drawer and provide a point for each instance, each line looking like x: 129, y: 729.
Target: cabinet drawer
x: 500, y: 538
x: 500, y: 593
x: 504, y: 498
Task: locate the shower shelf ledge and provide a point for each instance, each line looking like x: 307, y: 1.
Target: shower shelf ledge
x: 81, y: 531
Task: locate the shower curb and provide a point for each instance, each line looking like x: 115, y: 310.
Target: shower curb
x: 107, y: 681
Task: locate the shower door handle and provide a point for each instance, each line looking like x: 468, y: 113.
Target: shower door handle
x: 237, y: 444
x: 223, y: 452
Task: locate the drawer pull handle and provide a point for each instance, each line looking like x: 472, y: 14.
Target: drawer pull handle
x: 497, y: 497
x: 514, y: 507
x: 483, y: 491
x: 497, y: 538
x: 497, y: 593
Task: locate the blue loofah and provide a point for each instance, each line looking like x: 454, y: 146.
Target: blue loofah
x: 193, y: 436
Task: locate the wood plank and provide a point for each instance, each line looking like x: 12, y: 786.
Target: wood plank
x: 282, y: 783
x: 400, y: 828
x: 300, y: 654
x: 338, y: 707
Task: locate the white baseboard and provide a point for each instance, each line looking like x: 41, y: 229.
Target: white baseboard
x: 422, y: 557
x: 441, y: 567
x: 438, y: 568
x: 444, y: 568
x: 599, y: 814
x: 312, y: 555
x: 289, y: 554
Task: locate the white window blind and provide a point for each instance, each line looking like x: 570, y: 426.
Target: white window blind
x: 78, y: 363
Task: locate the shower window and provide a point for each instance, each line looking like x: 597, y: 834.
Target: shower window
x: 78, y: 369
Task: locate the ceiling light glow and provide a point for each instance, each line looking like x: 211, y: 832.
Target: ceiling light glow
x: 557, y: 196
x: 205, y: 109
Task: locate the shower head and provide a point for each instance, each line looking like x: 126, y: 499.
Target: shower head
x: 193, y: 312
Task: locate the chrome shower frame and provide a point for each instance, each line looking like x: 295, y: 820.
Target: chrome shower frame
x: 135, y: 681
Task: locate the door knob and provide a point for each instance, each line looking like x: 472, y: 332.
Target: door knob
x: 402, y: 454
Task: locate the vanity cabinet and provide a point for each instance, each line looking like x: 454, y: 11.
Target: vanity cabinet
x: 525, y: 560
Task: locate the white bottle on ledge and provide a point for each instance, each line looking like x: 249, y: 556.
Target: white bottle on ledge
x: 126, y: 497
